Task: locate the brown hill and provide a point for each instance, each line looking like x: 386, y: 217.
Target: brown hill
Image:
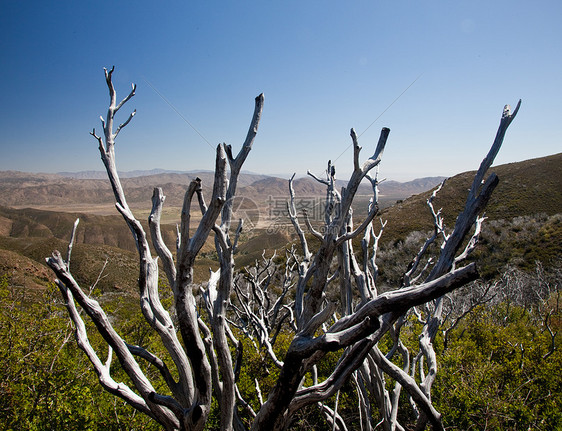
x: 57, y: 192
x: 23, y: 261
x: 23, y: 272
x: 28, y: 235
x: 525, y: 189
x: 523, y: 225
x: 20, y: 189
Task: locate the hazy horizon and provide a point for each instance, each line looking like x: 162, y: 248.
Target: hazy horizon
x: 101, y: 174
x: 155, y: 171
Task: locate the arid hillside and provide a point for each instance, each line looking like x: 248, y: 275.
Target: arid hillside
x: 523, y: 223
x: 525, y: 189
x: 38, y: 212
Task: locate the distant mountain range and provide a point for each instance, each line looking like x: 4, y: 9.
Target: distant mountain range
x: 100, y: 175
x: 22, y: 189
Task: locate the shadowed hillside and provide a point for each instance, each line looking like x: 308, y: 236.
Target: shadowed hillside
x: 93, y: 229
x: 28, y: 236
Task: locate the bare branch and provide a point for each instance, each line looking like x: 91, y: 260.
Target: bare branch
x: 410, y: 385
x: 67, y: 284
x: 119, y: 389
x: 156, y: 362
x: 71, y: 242
x: 122, y: 125
x: 552, y: 337
x: 350, y: 235
x: 507, y: 118
x: 237, y: 235
x: 258, y: 301
x: 320, y: 180
x: 310, y: 227
x: 292, y: 210
x: 161, y: 249
x: 126, y: 99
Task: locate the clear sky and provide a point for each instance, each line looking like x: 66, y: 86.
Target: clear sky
x: 437, y: 73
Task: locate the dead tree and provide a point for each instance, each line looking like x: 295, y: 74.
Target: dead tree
x: 200, y: 349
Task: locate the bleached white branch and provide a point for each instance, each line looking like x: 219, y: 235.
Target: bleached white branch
x: 70, y: 290
x: 71, y: 242
x: 161, y: 249
x: 311, y: 229
x: 292, y: 210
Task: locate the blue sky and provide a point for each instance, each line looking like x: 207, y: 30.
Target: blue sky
x: 439, y: 72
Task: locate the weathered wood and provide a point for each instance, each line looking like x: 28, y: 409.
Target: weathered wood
x: 209, y: 357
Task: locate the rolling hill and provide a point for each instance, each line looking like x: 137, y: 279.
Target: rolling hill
x: 525, y: 189
x: 64, y: 193
x: 529, y: 192
x: 523, y: 225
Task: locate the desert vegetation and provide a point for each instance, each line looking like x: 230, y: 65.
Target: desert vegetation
x: 341, y: 329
